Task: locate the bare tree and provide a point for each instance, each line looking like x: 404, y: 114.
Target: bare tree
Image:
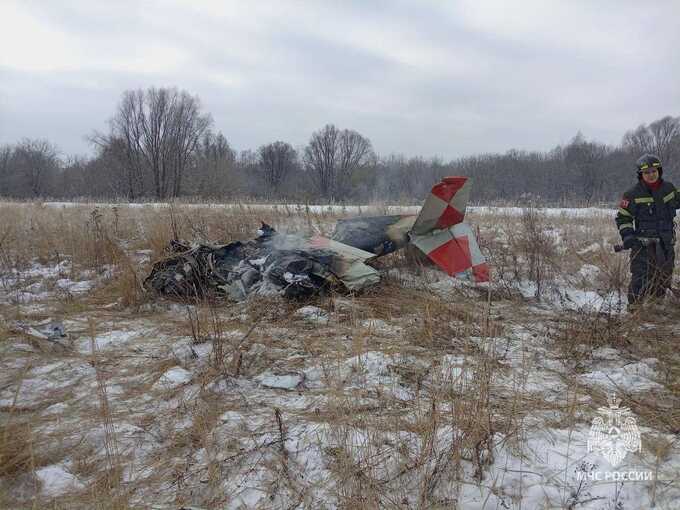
x: 276, y: 161
x: 661, y: 137
x: 6, y: 155
x: 355, y: 152
x: 35, y: 164
x: 157, y: 132
x: 332, y: 156
x: 118, y: 165
x: 586, y: 157
x: 214, y: 167
x: 319, y: 159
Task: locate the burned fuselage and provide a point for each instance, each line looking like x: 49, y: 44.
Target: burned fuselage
x: 296, y: 266
x: 272, y: 263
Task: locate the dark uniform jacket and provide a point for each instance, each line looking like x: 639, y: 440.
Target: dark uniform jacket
x: 646, y: 213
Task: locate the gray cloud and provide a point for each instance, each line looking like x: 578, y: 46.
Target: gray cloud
x: 419, y: 78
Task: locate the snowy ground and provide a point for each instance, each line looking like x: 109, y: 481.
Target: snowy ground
x: 337, y: 209
x: 424, y: 392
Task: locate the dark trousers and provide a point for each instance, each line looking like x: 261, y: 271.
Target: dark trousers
x: 651, y: 270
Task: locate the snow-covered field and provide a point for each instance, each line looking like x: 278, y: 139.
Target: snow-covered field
x: 422, y: 392
x: 332, y: 209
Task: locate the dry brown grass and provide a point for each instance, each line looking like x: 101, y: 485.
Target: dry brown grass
x: 378, y: 450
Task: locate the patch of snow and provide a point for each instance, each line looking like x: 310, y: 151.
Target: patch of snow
x: 231, y: 416
x: 372, y: 369
x: 633, y: 377
x: 589, y: 249
x: 42, y: 271
x: 534, y: 381
x: 314, y: 377
x: 34, y: 287
x: 203, y: 350
x: 57, y: 408
x: 453, y: 367
x: 55, y: 480
x: 107, y: 340
x: 569, y: 298
x: 606, y: 354
x: 589, y: 272
x: 74, y: 287
x: 280, y: 381
x: 22, y: 298
x: 173, y: 378
x: 552, y: 212
x: 312, y: 314
x: 186, y: 350
x: 248, y: 498
x: 35, y: 389
x: 379, y: 326
x: 46, y: 369
x: 227, y: 386
x: 575, y: 299
x: 552, y: 364
x: 114, y: 390
x: 372, y: 363
x: 370, y: 210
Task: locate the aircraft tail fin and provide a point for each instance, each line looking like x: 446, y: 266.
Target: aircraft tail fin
x: 440, y: 233
x: 444, y: 206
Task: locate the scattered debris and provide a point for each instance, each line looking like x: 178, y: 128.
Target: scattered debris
x: 272, y: 263
x: 296, y: 266
x: 51, y: 331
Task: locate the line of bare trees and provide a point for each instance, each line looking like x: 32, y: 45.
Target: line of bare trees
x: 161, y: 144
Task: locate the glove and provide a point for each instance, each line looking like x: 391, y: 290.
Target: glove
x: 630, y: 242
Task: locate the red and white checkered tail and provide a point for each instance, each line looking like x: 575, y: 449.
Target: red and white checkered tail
x: 445, y: 206
x: 440, y: 233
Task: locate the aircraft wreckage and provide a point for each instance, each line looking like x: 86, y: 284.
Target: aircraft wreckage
x: 297, y: 266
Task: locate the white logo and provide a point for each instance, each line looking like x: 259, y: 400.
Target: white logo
x: 615, y: 433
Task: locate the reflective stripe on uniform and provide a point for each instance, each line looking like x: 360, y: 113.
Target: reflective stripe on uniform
x: 624, y: 212
x: 669, y: 197
x: 625, y: 225
x: 644, y: 200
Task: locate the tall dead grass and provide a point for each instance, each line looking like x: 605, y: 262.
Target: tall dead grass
x: 379, y: 448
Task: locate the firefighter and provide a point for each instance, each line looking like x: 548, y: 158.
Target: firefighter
x: 645, y: 222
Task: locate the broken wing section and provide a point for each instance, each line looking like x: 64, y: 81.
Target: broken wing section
x: 348, y: 263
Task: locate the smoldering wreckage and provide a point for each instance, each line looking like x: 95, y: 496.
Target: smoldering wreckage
x: 295, y: 266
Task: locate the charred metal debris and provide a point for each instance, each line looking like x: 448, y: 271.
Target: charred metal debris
x: 295, y: 266
x: 271, y: 264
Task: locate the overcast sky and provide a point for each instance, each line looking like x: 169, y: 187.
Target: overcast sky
x: 430, y: 78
